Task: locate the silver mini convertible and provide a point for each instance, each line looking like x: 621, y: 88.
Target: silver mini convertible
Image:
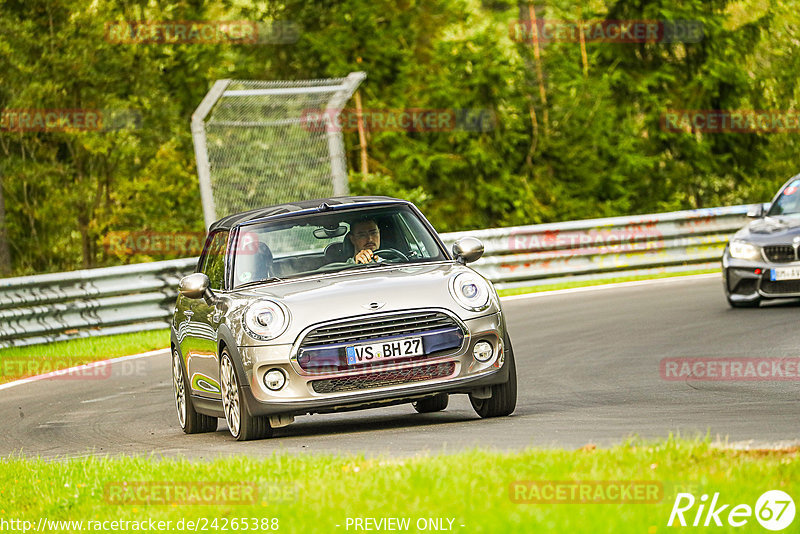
x: 332, y: 305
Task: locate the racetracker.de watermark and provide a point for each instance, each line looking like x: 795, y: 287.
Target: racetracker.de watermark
x: 68, y: 120
x: 607, y: 31
x: 154, y: 243
x: 62, y: 369
x: 632, y: 238
x: 398, y: 120
x: 159, y: 32
x: 730, y: 369
x: 586, y: 491
x: 730, y: 121
x: 196, y: 492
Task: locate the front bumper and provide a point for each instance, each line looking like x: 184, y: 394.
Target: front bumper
x: 749, y: 281
x: 458, y: 372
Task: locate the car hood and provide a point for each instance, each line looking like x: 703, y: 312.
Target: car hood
x: 336, y: 296
x: 771, y: 230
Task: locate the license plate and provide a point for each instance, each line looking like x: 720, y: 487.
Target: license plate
x: 386, y: 350
x: 785, y: 273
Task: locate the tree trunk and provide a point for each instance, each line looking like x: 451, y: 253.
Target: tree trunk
x: 362, y: 138
x: 538, y: 62
x: 584, y: 58
x: 5, y: 255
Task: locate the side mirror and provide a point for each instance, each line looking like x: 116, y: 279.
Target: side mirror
x: 194, y: 286
x: 467, y: 249
x: 756, y: 212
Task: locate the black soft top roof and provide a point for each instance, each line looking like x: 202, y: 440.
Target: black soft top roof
x: 226, y: 223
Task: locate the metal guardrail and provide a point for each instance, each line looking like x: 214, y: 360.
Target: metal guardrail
x: 111, y: 300
x: 598, y: 248
x: 131, y: 298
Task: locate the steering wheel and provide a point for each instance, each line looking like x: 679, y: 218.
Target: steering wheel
x: 394, y: 252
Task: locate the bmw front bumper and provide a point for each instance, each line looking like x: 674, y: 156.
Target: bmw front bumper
x: 749, y: 281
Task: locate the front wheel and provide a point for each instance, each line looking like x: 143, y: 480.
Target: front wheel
x: 191, y: 422
x: 504, y: 396
x: 242, y: 425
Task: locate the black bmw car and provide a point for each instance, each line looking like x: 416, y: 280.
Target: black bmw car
x: 761, y: 260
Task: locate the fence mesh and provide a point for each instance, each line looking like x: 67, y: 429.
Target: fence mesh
x: 261, y: 149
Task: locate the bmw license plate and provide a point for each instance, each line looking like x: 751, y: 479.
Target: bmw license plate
x: 784, y: 273
x: 386, y: 350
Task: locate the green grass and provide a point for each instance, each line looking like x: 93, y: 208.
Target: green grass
x: 587, y: 283
x: 312, y: 493
x: 19, y: 362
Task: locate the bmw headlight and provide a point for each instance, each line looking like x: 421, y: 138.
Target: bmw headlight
x: 470, y: 291
x: 265, y: 319
x: 745, y: 251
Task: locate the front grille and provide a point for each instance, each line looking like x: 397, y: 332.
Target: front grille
x: 780, y: 253
x: 377, y: 326
x: 783, y: 287
x: 384, y: 378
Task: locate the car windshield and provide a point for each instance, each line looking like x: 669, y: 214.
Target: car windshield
x: 788, y: 202
x: 331, y: 241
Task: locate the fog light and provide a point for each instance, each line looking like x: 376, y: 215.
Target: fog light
x: 483, y: 351
x: 274, y: 379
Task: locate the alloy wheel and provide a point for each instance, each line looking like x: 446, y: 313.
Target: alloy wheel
x: 230, y: 395
x: 180, y: 390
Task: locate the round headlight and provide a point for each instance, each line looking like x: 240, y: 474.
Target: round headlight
x: 470, y: 291
x: 274, y: 379
x: 265, y: 320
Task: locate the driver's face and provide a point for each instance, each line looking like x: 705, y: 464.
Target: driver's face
x: 365, y: 235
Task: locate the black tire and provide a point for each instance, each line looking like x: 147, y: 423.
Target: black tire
x: 504, y: 396
x: 190, y: 421
x: 436, y: 403
x: 249, y: 426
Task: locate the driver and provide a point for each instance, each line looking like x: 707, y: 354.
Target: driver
x: 366, y: 238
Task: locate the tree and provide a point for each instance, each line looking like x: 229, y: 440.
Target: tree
x: 5, y: 255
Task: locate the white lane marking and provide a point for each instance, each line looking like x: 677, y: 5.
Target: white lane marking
x: 79, y: 368
x: 107, y: 397
x: 600, y: 287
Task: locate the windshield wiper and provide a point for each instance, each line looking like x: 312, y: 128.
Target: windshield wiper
x: 258, y: 282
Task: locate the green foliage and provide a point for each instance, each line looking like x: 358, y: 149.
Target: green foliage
x: 595, y: 148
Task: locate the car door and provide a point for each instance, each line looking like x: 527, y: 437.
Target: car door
x: 199, y: 344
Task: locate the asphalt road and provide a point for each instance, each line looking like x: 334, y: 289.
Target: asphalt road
x: 588, y: 365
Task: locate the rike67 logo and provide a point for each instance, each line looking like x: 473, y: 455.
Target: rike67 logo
x: 774, y: 510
